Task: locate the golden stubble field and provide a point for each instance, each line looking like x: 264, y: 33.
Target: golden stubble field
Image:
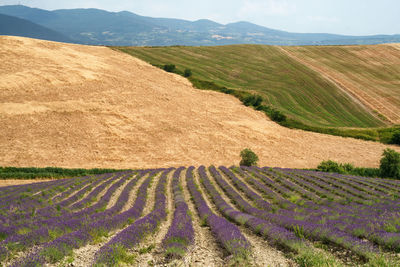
x: 82, y: 106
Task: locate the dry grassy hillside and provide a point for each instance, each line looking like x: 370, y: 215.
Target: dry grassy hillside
x: 81, y: 106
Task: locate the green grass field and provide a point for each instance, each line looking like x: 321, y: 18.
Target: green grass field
x: 299, y: 92
x: 371, y: 72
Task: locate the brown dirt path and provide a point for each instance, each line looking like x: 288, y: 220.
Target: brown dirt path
x: 80, y: 106
x: 205, y: 251
x: 155, y: 256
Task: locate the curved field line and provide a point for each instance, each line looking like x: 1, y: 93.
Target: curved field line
x: 370, y: 101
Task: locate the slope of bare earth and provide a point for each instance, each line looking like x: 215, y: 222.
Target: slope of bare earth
x: 82, y: 106
x: 370, y: 73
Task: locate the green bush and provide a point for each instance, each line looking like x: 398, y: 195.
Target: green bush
x: 277, y: 116
x: 187, y: 73
x: 330, y: 166
x: 395, y: 138
x: 249, y: 158
x: 390, y: 164
x: 252, y: 100
x: 169, y: 67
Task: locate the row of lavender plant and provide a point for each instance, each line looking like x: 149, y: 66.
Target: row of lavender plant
x: 308, y: 229
x: 266, y: 191
x: 43, y: 215
x: 353, y: 193
x: 180, y: 234
x: 382, y: 205
x: 136, y: 232
x: 338, y: 191
x: 17, y: 190
x: 293, y: 187
x: 352, y: 221
x: 258, y: 200
x: 251, y: 217
x: 100, y: 225
x: 378, y: 224
x: 17, y: 205
x: 51, y: 214
x: 227, y: 234
x: 51, y: 228
x: 309, y: 185
x: 10, y: 226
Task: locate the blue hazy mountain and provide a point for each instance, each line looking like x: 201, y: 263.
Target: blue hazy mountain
x: 99, y: 27
x: 10, y: 25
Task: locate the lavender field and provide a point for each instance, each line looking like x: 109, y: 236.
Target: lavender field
x: 213, y: 216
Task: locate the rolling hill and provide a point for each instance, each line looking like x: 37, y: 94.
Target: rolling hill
x: 70, y: 105
x: 20, y: 27
x: 284, y: 82
x: 99, y: 27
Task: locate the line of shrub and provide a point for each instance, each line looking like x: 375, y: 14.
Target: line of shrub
x: 388, y: 135
x: 48, y: 172
x: 389, y: 167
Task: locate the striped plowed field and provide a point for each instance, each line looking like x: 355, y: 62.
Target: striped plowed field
x: 370, y: 74
x: 202, y: 217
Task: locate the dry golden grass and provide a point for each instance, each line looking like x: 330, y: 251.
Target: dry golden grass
x: 81, y: 106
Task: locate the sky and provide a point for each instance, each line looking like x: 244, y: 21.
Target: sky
x: 350, y: 17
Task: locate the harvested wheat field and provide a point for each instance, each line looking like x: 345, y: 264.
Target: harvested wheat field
x: 82, y: 106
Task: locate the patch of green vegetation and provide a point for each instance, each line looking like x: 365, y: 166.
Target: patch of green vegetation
x: 118, y: 256
x: 382, y: 261
x: 147, y: 249
x: 23, y: 231
x: 309, y: 258
x: 174, y: 252
x: 54, y: 255
x: 98, y: 234
x: 48, y: 172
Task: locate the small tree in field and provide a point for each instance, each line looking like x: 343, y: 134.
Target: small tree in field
x: 187, y: 73
x: 249, y: 158
x: 390, y: 164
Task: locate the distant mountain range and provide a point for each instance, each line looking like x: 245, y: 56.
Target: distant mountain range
x: 10, y: 25
x: 99, y: 27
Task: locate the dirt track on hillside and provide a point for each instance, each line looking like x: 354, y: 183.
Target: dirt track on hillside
x: 81, y: 106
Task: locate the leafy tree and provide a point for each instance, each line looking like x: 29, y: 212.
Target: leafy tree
x: 169, y: 67
x: 395, y: 138
x: 249, y: 158
x: 187, y: 73
x: 277, y: 116
x: 253, y: 100
x: 390, y: 164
